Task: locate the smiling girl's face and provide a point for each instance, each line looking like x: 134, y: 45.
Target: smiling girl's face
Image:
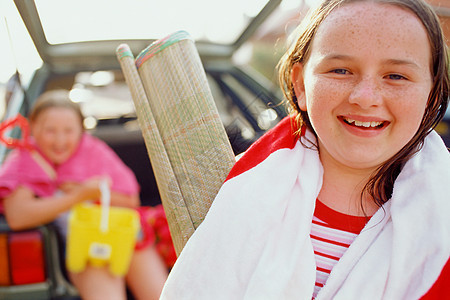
x: 57, y: 131
x: 366, y: 83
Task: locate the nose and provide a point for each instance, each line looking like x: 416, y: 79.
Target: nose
x: 366, y: 93
x: 60, y: 138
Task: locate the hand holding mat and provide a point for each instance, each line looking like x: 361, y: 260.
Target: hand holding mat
x: 187, y: 144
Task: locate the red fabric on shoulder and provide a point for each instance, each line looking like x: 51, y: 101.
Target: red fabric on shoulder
x: 280, y: 137
x: 441, y: 288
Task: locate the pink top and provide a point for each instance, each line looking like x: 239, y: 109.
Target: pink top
x: 92, y: 158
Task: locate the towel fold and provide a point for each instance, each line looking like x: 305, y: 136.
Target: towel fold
x: 255, y: 243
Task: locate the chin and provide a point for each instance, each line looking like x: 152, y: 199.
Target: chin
x: 362, y: 161
x: 59, y: 160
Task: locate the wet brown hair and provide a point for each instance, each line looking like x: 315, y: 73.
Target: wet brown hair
x: 380, y: 185
x: 52, y: 99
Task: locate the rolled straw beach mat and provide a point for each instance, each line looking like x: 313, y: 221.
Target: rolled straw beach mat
x: 187, y: 144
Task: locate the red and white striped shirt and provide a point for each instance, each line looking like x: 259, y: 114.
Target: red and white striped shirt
x: 332, y: 233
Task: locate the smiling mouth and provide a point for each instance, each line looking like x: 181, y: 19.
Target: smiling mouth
x: 364, y: 125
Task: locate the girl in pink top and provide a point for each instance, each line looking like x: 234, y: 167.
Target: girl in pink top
x: 70, y: 167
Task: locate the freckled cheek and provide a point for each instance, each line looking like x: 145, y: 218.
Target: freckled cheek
x: 324, y: 97
x: 407, y: 111
x: 412, y: 102
x: 411, y: 114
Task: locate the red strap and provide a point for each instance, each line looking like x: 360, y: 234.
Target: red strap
x: 22, y: 123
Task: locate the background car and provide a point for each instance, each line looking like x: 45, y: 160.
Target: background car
x: 443, y: 128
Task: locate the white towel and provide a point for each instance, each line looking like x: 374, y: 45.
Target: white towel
x: 255, y: 243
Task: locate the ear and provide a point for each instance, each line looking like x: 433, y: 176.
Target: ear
x: 299, y: 84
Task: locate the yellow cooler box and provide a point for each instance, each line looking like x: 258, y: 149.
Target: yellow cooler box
x: 101, y: 237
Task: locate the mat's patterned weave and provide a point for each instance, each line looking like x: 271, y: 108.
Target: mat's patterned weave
x: 186, y: 141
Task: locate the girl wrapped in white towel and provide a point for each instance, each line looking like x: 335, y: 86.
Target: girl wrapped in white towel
x: 349, y: 196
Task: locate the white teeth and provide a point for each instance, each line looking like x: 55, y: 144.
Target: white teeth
x: 363, y: 124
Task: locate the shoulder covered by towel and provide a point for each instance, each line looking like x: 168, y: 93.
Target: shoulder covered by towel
x: 254, y: 243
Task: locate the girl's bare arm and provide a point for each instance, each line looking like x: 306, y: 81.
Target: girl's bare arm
x: 23, y: 210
